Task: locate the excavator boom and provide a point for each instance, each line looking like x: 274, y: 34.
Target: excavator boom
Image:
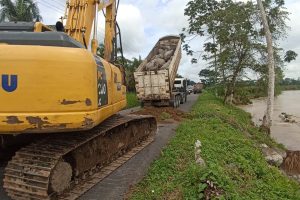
x: 82, y: 18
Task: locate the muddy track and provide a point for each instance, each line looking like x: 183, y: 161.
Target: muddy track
x: 65, y: 166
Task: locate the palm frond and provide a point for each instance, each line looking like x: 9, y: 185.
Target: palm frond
x: 20, y: 10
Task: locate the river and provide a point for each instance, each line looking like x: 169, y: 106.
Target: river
x: 286, y: 133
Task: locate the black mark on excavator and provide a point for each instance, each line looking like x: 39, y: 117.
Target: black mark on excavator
x: 13, y: 120
x: 37, y: 121
x: 88, y: 102
x: 69, y: 102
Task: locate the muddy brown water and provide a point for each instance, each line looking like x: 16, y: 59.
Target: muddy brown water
x: 286, y: 133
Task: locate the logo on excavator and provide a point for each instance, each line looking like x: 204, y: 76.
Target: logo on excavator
x: 9, y: 82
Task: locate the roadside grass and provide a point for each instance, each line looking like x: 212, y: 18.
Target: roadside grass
x: 230, y: 148
x: 132, y: 100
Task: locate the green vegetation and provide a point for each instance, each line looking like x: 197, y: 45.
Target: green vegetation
x: 132, y: 100
x: 235, y: 44
x: 19, y: 10
x: 290, y: 84
x: 165, y: 115
x: 247, y: 90
x: 230, y: 148
x: 290, y: 87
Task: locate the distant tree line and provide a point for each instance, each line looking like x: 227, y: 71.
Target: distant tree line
x: 290, y: 81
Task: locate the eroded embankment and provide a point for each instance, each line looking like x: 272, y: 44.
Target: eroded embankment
x: 231, y: 147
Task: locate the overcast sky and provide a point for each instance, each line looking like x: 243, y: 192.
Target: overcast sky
x: 143, y: 22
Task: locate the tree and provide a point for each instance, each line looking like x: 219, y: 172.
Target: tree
x: 267, y: 122
x: 190, y: 82
x: 290, y: 55
x: 179, y: 76
x: 19, y: 10
x: 100, y: 50
x: 230, y: 34
x: 207, y: 76
x: 131, y: 66
x: 233, y: 43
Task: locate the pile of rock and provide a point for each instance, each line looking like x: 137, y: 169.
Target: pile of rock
x: 287, y: 118
x: 288, y: 161
x: 198, y: 158
x: 161, y: 57
x: 272, y: 156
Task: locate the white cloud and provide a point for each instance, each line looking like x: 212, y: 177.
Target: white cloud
x: 143, y: 22
x: 132, y: 25
x: 171, y: 17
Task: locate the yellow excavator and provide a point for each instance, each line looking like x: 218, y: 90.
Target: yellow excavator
x: 59, y: 102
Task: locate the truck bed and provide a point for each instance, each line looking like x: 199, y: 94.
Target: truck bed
x: 155, y: 76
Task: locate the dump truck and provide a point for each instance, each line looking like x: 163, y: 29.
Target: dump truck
x: 156, y: 75
x: 198, y: 88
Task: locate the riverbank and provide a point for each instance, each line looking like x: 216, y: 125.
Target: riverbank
x: 234, y: 165
x: 283, y: 132
x: 290, y: 87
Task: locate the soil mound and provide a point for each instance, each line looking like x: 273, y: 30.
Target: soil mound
x: 291, y: 164
x: 163, y: 114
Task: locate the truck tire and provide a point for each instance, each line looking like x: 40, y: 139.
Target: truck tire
x: 181, y: 99
x: 174, y: 103
x: 177, y: 100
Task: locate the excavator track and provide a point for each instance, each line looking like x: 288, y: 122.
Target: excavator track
x: 65, y: 166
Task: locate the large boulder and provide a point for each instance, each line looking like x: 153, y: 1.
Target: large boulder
x: 150, y: 66
x: 272, y: 156
x: 155, y: 64
x: 158, y: 56
x: 166, y: 65
x: 159, y: 62
x: 199, y: 160
x: 168, y: 55
x: 161, y: 51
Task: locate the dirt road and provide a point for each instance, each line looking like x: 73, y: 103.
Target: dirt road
x: 116, y: 185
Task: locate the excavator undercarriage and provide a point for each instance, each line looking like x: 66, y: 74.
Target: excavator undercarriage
x: 64, y: 166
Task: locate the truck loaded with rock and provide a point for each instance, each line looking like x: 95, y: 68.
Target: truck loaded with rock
x: 156, y: 82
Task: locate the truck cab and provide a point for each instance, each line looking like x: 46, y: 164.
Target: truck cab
x: 180, y: 88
